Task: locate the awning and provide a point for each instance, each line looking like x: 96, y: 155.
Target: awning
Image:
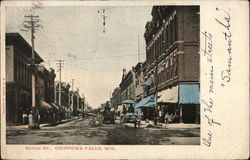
x: 189, y: 94
x: 146, y: 102
x: 55, y: 106
x: 128, y: 101
x: 148, y: 82
x: 45, y: 105
x: 65, y: 109
x: 169, y: 95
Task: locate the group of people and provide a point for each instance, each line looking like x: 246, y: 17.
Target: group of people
x: 34, y: 120
x: 165, y: 115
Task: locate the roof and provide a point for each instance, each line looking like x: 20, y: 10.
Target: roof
x: 18, y: 40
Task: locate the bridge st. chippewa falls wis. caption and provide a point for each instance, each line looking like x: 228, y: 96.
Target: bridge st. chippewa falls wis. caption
x: 72, y: 148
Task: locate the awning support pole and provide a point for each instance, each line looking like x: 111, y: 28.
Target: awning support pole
x: 180, y: 106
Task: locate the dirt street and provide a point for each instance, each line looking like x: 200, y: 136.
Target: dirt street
x: 79, y: 131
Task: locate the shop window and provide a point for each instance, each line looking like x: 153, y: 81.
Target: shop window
x: 160, y: 44
x: 20, y: 71
x: 170, y: 33
x: 175, y: 69
x: 173, y: 30
x: 171, y: 59
x: 166, y: 38
x: 174, y: 56
x: 176, y: 28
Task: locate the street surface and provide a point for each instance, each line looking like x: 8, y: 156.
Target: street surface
x: 80, y: 131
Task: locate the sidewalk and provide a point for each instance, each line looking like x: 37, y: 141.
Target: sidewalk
x: 26, y: 126
x: 150, y: 124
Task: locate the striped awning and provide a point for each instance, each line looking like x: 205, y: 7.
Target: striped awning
x: 169, y: 95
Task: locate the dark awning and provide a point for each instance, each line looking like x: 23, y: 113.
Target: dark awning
x: 146, y: 102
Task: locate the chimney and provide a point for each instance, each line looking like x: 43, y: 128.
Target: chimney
x: 123, y: 72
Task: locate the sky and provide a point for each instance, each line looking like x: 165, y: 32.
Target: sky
x: 75, y: 34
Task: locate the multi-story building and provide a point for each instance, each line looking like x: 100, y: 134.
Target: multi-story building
x: 172, y: 59
x: 18, y: 77
x: 49, y: 84
x: 65, y: 94
x: 45, y: 81
x: 116, y: 97
x: 139, y: 79
x: 76, y: 102
x: 127, y: 85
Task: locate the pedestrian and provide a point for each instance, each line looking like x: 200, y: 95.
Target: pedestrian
x: 24, y: 115
x: 166, y: 117
x: 156, y: 113
x: 38, y: 119
x: 31, y: 122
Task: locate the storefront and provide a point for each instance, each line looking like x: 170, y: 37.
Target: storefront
x: 45, y: 111
x: 146, y: 107
x: 182, y: 99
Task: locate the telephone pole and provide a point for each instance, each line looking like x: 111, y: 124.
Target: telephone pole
x: 139, y: 58
x: 72, y: 96
x: 55, y: 90
x: 31, y: 24
x: 60, y: 63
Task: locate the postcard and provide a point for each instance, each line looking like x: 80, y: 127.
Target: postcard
x: 125, y: 79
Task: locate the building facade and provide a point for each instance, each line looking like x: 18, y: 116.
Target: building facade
x: 65, y: 94
x: 172, y: 59
x: 127, y: 85
x: 139, y: 79
x: 116, y: 97
x: 18, y: 77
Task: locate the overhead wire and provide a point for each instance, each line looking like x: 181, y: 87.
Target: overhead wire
x: 45, y: 39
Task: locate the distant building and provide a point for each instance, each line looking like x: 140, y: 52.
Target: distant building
x: 172, y: 60
x: 127, y: 85
x: 65, y: 94
x: 76, y: 102
x: 139, y: 79
x: 49, y: 82
x: 116, y: 97
x: 45, y: 81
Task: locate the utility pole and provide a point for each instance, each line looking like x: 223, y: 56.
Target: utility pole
x: 77, y: 101
x: 60, y: 63
x: 32, y: 24
x: 139, y: 58
x: 69, y: 96
x: 55, y: 92
x: 72, y: 96
x: 110, y: 94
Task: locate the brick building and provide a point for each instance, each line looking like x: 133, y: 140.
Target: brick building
x: 116, y: 97
x: 18, y: 77
x: 139, y: 79
x: 127, y: 85
x: 172, y: 60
